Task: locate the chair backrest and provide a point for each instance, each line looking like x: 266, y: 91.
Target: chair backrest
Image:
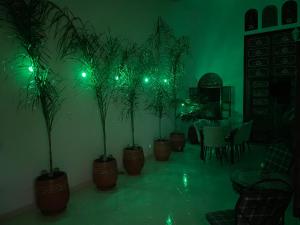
x: 199, y: 124
x: 214, y: 136
x: 243, y: 133
x: 238, y: 137
x: 248, y: 129
x: 262, y: 206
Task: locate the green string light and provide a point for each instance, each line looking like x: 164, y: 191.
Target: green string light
x: 146, y: 80
x: 117, y: 78
x: 165, y: 80
x: 30, y: 68
x: 185, y: 180
x: 83, y: 74
x: 169, y: 220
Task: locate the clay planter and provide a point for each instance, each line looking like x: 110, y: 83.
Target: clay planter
x: 133, y: 160
x: 52, y: 193
x: 105, y: 173
x: 162, y: 150
x: 177, y: 141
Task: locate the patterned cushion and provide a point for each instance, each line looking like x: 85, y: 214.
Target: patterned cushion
x: 262, y: 207
x: 279, y: 159
x: 255, y: 207
x: 225, y: 217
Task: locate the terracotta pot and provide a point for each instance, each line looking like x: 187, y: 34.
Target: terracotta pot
x: 177, y: 141
x: 162, y: 150
x: 133, y: 160
x: 105, y: 174
x: 52, y: 193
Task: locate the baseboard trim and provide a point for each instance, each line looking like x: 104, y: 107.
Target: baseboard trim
x: 79, y: 187
x: 32, y: 206
x: 16, y: 212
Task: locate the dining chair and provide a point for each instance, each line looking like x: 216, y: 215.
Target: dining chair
x: 256, y: 206
x: 239, y: 140
x: 214, y: 142
x: 199, y: 124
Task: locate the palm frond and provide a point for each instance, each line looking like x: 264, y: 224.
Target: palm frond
x: 76, y: 36
x: 27, y: 21
x: 100, y: 54
x: 131, y: 76
x: 157, y: 55
x: 177, y: 53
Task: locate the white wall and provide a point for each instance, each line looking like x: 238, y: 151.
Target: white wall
x: 216, y: 31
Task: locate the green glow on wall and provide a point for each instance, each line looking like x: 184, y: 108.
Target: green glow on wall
x: 30, y: 68
x: 83, y: 74
x: 23, y: 66
x: 169, y: 220
x: 185, y: 180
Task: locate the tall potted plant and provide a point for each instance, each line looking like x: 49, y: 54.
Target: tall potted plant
x: 27, y: 20
x: 104, y: 83
x: 177, y: 53
x: 157, y: 56
x: 129, y: 90
x: 100, y: 57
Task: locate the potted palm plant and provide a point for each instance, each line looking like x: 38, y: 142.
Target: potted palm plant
x: 158, y: 84
x: 158, y: 104
x: 104, y: 80
x: 177, y: 52
x: 129, y: 90
x: 27, y: 20
x: 100, y: 57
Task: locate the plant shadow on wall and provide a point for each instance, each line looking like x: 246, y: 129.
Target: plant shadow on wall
x: 100, y: 57
x: 130, y: 88
x: 28, y: 23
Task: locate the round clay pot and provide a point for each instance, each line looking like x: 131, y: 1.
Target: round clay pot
x: 52, y: 192
x: 105, y: 174
x: 162, y: 150
x: 133, y: 160
x: 177, y: 141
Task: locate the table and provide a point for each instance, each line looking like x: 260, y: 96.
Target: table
x: 244, y: 178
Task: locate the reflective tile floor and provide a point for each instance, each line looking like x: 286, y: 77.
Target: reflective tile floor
x: 177, y: 192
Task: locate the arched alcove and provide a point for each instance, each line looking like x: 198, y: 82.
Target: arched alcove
x: 270, y: 16
x: 289, y: 12
x: 251, y: 20
x: 210, y: 80
x: 210, y: 95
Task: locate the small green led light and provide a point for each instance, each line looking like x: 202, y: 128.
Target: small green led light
x: 83, y: 74
x: 182, y: 104
x: 146, y: 80
x: 117, y: 78
x: 165, y: 80
x: 30, y: 68
x: 169, y: 220
x: 185, y: 180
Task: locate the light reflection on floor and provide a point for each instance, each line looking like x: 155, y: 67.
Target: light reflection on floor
x: 178, y: 192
